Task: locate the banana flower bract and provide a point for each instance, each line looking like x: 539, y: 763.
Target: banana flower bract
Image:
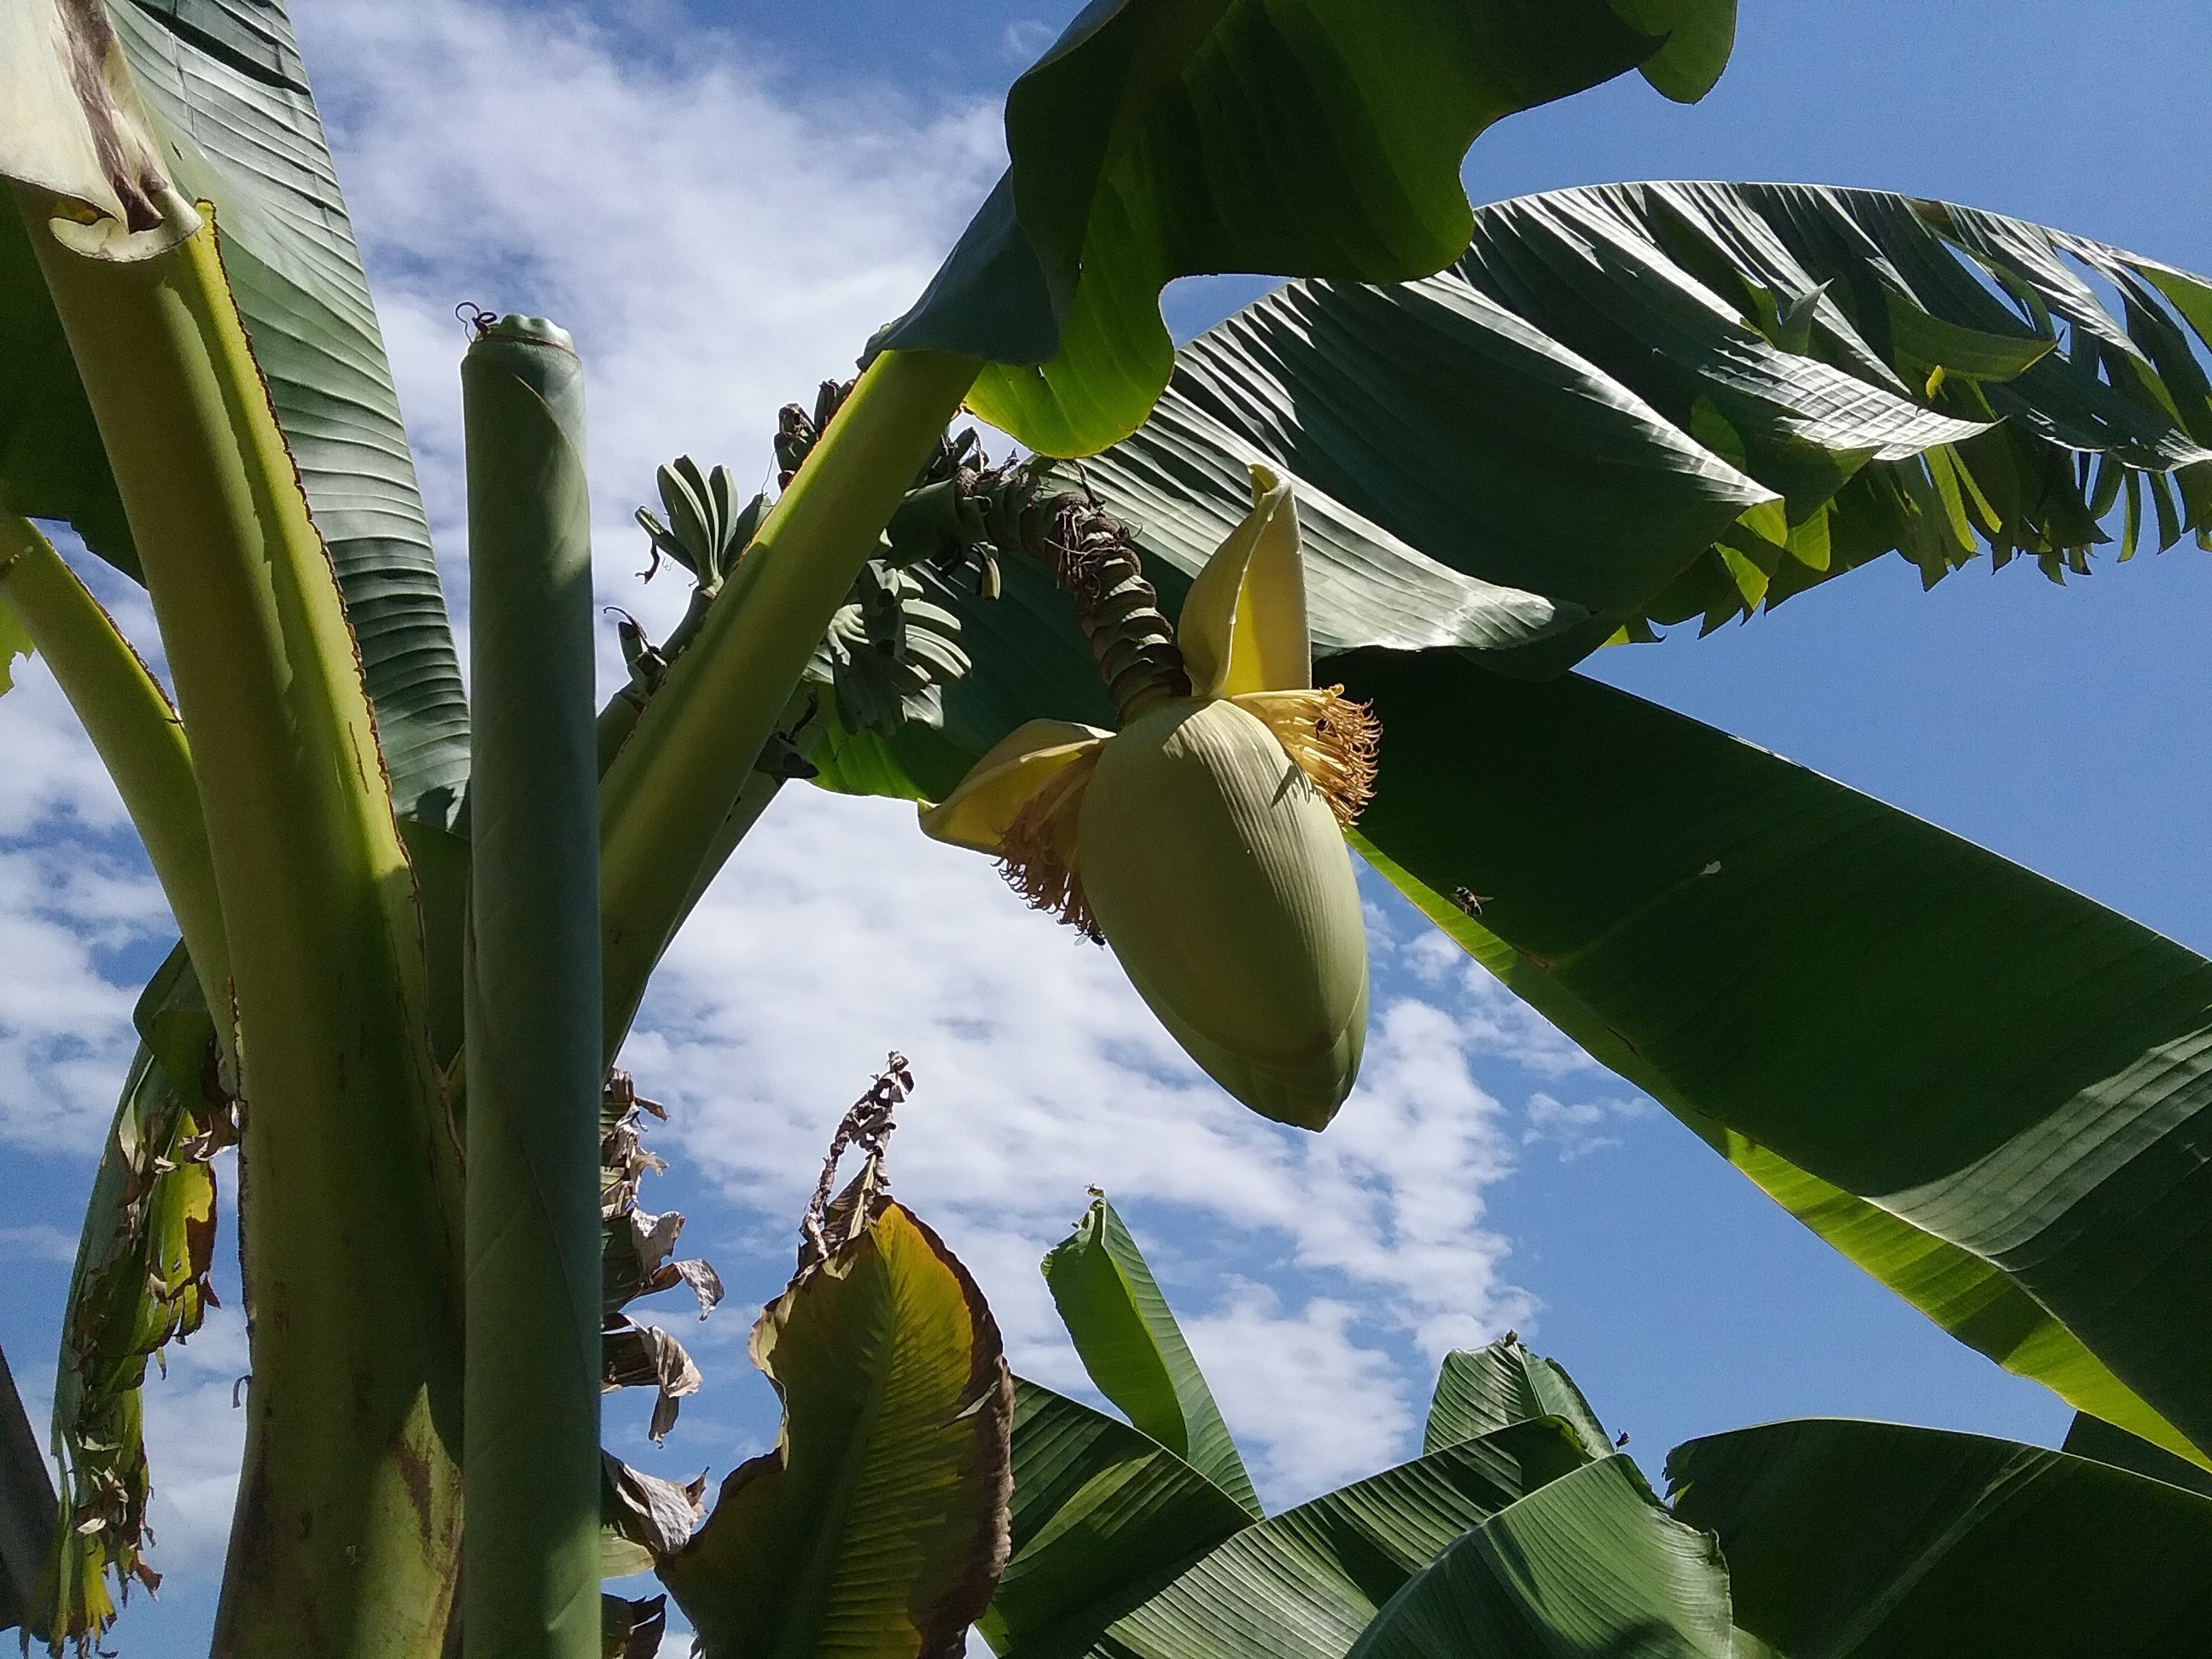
x: 1202, y: 841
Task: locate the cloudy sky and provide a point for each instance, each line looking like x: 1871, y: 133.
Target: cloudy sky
x: 721, y: 207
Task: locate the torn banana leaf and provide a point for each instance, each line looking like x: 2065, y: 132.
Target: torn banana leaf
x: 881, y: 1514
x: 141, y: 1281
x: 638, y: 1258
x: 1654, y: 402
x: 227, y: 103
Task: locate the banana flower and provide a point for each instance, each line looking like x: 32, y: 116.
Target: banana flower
x: 1202, y: 841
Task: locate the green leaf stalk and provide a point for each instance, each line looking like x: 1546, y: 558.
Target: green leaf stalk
x: 345, y: 1539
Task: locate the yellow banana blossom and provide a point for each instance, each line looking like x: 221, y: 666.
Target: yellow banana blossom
x: 1202, y: 841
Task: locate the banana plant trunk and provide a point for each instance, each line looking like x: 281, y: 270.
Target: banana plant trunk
x: 345, y: 1541
x: 531, y: 1541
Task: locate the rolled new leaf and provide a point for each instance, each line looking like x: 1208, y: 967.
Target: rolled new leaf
x: 530, y: 1538
x: 1134, y: 1350
x: 1479, y: 1389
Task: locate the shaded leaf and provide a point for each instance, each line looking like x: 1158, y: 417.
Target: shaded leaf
x: 1134, y: 1350
x: 28, y: 1515
x: 1589, y: 1566
x: 879, y: 1525
x: 1480, y: 1389
x: 632, y: 1630
x: 14, y: 643
x: 1159, y: 138
x: 2093, y: 1437
x: 1872, y: 1538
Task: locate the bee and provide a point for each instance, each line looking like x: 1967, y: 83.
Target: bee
x: 1470, y: 901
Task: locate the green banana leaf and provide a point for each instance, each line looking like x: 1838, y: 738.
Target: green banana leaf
x: 1589, y: 1566
x: 1160, y: 138
x: 1479, y: 1389
x: 27, y: 1514
x: 1655, y: 401
x: 228, y: 102
x: 2093, y: 1438
x: 1134, y: 1350
x: 1986, y: 1090
x: 1307, y: 1582
x: 877, y: 1524
x: 1103, y: 1515
x: 1849, y: 1538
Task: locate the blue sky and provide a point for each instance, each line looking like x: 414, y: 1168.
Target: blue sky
x: 721, y: 201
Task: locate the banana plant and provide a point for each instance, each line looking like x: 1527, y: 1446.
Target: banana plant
x: 362, y: 997
x: 1522, y: 1529
x: 1660, y: 402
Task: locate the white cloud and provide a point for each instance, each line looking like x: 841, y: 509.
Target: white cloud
x: 40, y: 1242
x: 716, y: 244
x: 1317, y: 1408
x: 65, y: 1036
x: 1026, y: 39
x: 195, y: 1436
x: 1578, y: 1128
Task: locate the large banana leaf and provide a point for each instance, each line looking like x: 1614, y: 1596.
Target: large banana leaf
x: 877, y: 1527
x: 1303, y: 1584
x: 1865, y: 1539
x: 1160, y: 138
x: 2092, y: 1436
x: 1590, y: 1565
x: 1479, y: 1389
x: 1103, y: 1515
x: 1653, y: 402
x: 1986, y: 1090
x: 226, y: 98
x: 1134, y: 1350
